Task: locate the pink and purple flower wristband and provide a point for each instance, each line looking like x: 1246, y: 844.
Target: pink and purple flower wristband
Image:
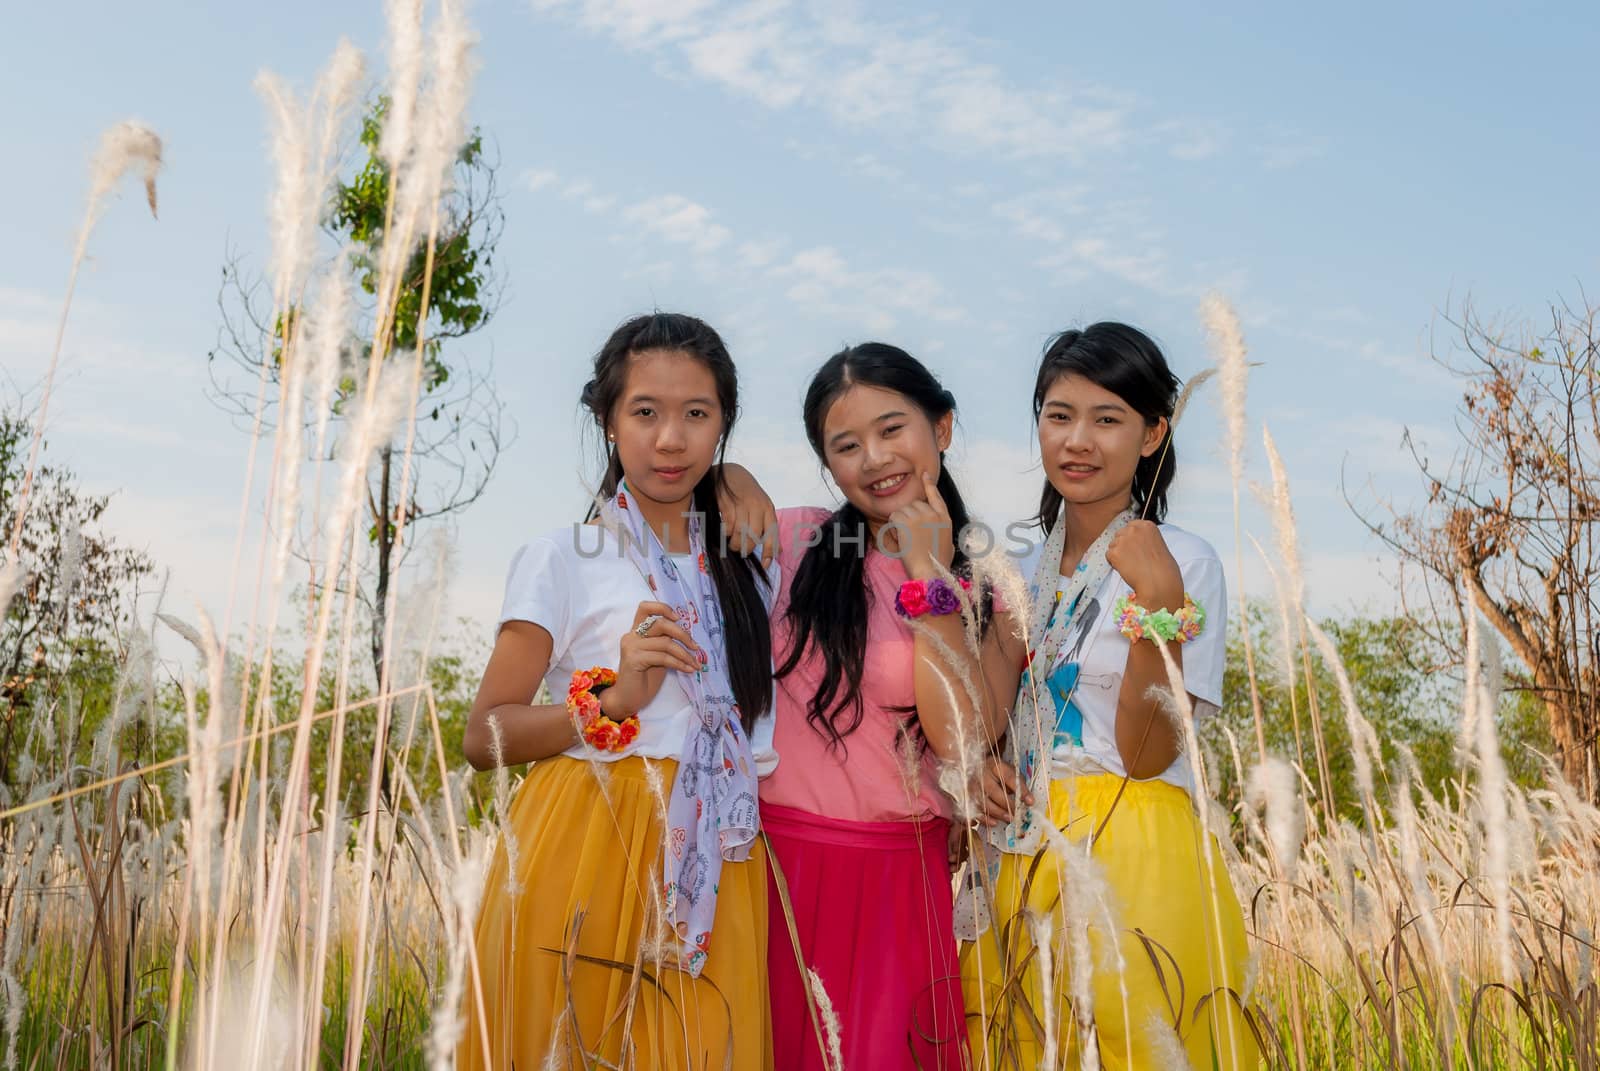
x: 935, y: 597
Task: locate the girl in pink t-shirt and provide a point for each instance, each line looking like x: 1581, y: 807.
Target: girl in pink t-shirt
x: 866, y: 708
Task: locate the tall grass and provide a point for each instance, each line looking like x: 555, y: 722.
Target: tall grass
x: 230, y: 904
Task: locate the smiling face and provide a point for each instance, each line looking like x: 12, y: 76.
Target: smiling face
x: 877, y: 443
x: 1091, y: 441
x: 666, y: 426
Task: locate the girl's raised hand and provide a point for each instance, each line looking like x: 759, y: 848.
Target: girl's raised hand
x: 920, y: 534
x: 1140, y: 556
x: 645, y: 658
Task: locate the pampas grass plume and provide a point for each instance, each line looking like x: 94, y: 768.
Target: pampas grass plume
x: 1165, y: 1045
x: 1227, y: 343
x: 830, y: 1020
x: 405, y: 49
x: 1362, y: 739
x: 1195, y: 382
x: 1283, y: 523
x: 1492, y: 785
x: 291, y: 216
x: 1272, y: 788
x: 126, y: 147
x: 1043, y: 935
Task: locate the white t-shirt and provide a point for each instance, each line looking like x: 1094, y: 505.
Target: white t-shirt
x: 576, y: 585
x: 1098, y: 653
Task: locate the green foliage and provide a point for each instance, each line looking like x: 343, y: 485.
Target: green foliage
x: 444, y: 459
x: 458, y: 283
x: 59, y: 1016
x: 1399, y: 686
x: 451, y: 674
x: 67, y: 632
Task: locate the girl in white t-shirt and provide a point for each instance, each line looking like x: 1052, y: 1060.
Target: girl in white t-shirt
x: 1092, y: 754
x: 624, y: 921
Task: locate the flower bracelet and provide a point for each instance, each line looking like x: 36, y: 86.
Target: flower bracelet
x: 583, y: 703
x: 1137, y: 623
x: 935, y: 597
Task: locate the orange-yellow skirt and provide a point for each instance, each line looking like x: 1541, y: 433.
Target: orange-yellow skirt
x: 556, y: 956
x: 1179, y: 932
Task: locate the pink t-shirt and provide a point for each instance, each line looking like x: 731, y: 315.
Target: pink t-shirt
x: 876, y: 774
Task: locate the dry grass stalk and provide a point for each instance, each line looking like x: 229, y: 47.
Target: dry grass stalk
x: 1493, y: 793
x: 125, y: 147
x: 830, y: 1019
x: 1233, y: 372
x: 1042, y: 931
x: 1289, y: 551
x: 1272, y: 787
x: 1363, y: 741
x: 1165, y: 1044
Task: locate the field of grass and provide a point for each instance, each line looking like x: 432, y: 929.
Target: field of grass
x: 1451, y: 931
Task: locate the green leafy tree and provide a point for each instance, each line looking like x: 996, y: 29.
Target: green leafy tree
x: 67, y: 630
x: 460, y: 427
x: 1395, y: 674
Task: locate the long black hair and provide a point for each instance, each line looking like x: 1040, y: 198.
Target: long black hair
x: 744, y: 614
x: 1128, y: 363
x: 828, y: 597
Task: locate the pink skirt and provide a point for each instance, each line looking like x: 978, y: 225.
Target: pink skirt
x: 873, y: 918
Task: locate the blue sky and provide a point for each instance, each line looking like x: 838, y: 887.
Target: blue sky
x: 961, y: 180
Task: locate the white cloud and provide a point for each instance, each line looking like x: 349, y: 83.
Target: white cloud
x: 537, y: 179
x: 751, y: 56
x: 583, y: 192
x: 96, y: 341
x: 1373, y: 447
x: 1147, y: 268
x: 1193, y: 140
x: 1113, y: 238
x: 860, y: 72
x: 1416, y: 367
x: 872, y: 167
x: 759, y: 254
x: 817, y: 272
x: 821, y: 277
x: 633, y: 23
x: 679, y: 220
x: 1041, y: 214
x: 1287, y: 148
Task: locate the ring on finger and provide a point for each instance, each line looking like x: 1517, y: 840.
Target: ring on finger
x: 643, y: 628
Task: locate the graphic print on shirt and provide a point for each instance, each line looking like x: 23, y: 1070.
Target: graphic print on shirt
x: 1062, y: 683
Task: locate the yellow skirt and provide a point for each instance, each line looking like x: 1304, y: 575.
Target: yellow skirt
x: 1175, y: 982
x: 557, y: 944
